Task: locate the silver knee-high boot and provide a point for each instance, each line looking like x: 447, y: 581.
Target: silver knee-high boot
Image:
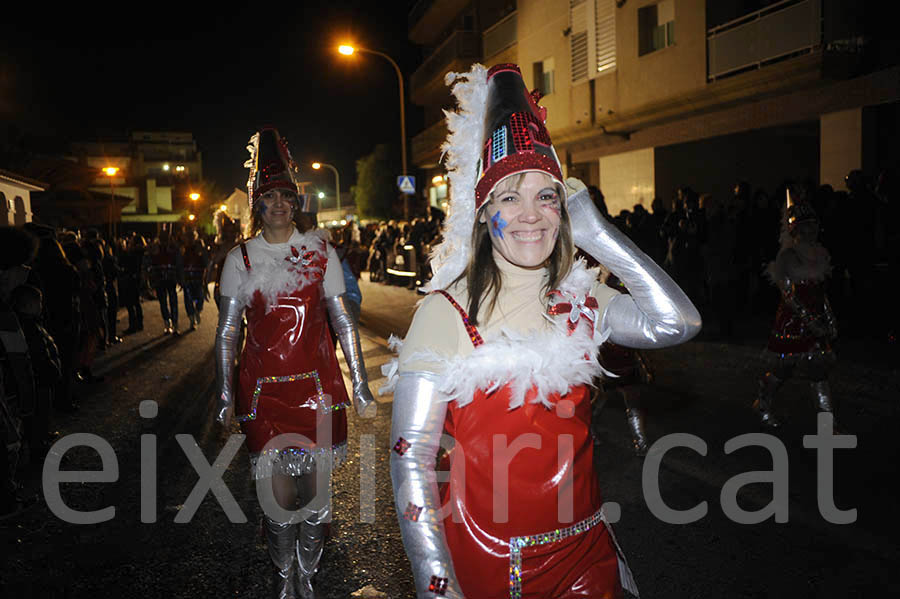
x: 822, y: 399
x: 310, y: 542
x: 281, y: 538
x: 765, y: 399
x: 636, y: 424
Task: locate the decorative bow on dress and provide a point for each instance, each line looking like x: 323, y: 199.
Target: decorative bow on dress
x: 304, y: 259
x: 577, y: 307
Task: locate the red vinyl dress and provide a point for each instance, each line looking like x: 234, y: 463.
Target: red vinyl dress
x: 289, y: 378
x: 790, y: 337
x: 511, y: 531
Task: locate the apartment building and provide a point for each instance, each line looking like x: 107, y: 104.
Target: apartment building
x: 644, y: 96
x: 155, y: 173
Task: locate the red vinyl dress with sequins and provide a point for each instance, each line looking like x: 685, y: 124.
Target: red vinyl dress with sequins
x: 524, y: 498
x: 290, y: 381
x: 790, y: 336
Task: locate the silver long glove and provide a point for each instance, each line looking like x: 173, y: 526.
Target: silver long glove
x: 347, y: 331
x: 416, y: 426
x: 230, y: 313
x: 657, y: 313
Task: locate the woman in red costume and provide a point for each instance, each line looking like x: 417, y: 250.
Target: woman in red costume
x: 804, y: 327
x: 290, y: 397
x: 497, y: 362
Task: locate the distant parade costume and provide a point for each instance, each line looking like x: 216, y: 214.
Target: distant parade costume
x: 165, y: 267
x: 289, y: 379
x: 804, y: 328
x: 194, y: 262
x: 631, y: 370
x: 525, y: 368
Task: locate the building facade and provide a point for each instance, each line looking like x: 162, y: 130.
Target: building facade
x: 156, y: 173
x: 15, y: 198
x: 645, y: 96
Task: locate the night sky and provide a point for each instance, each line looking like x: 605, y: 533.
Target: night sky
x: 100, y: 71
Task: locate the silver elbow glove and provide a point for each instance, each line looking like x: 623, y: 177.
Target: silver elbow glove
x: 657, y: 313
x: 416, y: 427
x: 344, y: 325
x: 227, y: 333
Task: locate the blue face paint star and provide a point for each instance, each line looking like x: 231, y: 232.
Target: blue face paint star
x: 497, y: 225
x: 262, y: 206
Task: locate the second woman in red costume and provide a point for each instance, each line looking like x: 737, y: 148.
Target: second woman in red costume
x: 290, y: 398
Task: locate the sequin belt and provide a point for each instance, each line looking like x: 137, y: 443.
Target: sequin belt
x: 517, y: 543
x: 320, y: 393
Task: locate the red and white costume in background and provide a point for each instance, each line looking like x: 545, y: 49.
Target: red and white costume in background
x: 803, y: 301
x: 289, y: 381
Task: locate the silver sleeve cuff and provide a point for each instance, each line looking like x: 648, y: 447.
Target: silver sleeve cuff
x: 344, y: 325
x: 416, y: 427
x: 657, y: 313
x: 230, y: 313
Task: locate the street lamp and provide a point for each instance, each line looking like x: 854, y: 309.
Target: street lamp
x: 111, y: 172
x: 348, y: 50
x: 194, y: 196
x: 337, y: 181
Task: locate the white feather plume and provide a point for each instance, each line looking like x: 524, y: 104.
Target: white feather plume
x: 462, y: 149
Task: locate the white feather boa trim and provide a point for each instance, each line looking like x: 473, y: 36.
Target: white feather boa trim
x: 462, y: 149
x: 816, y: 265
x: 549, y: 361
x: 276, y: 277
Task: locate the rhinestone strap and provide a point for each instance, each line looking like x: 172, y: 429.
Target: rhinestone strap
x: 474, y: 335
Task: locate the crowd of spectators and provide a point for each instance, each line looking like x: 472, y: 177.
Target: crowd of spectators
x: 717, y: 248
x: 60, y: 295
x: 402, y: 246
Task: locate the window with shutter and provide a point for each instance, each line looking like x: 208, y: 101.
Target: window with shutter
x: 605, y: 36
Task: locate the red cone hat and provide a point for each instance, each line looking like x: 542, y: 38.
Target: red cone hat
x: 270, y: 164
x: 515, y: 133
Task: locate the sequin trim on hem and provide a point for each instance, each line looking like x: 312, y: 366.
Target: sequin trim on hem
x: 294, y: 461
x: 517, y: 543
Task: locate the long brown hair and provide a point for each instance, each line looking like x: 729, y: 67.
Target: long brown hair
x: 482, y: 275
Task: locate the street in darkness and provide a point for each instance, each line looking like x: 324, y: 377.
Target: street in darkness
x: 703, y: 389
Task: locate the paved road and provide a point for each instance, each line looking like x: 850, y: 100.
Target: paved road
x: 702, y: 388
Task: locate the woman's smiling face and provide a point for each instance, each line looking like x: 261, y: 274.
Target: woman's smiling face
x: 524, y: 219
x: 276, y: 207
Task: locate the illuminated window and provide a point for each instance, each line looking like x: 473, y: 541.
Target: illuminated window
x: 544, y: 76
x: 656, y: 27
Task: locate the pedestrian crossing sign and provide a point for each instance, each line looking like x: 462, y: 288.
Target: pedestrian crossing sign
x: 407, y: 184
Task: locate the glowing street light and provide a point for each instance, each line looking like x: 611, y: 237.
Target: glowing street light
x: 223, y: 207
x: 348, y: 50
x: 191, y: 217
x: 321, y: 195
x: 194, y: 196
x: 110, y: 172
x: 337, y: 181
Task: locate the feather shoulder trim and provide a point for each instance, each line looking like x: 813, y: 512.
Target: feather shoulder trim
x: 276, y: 275
x: 541, y: 363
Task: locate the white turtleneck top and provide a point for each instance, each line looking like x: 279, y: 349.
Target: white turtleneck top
x: 437, y: 326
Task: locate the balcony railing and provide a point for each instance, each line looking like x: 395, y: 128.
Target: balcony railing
x: 777, y: 32
x: 462, y: 45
